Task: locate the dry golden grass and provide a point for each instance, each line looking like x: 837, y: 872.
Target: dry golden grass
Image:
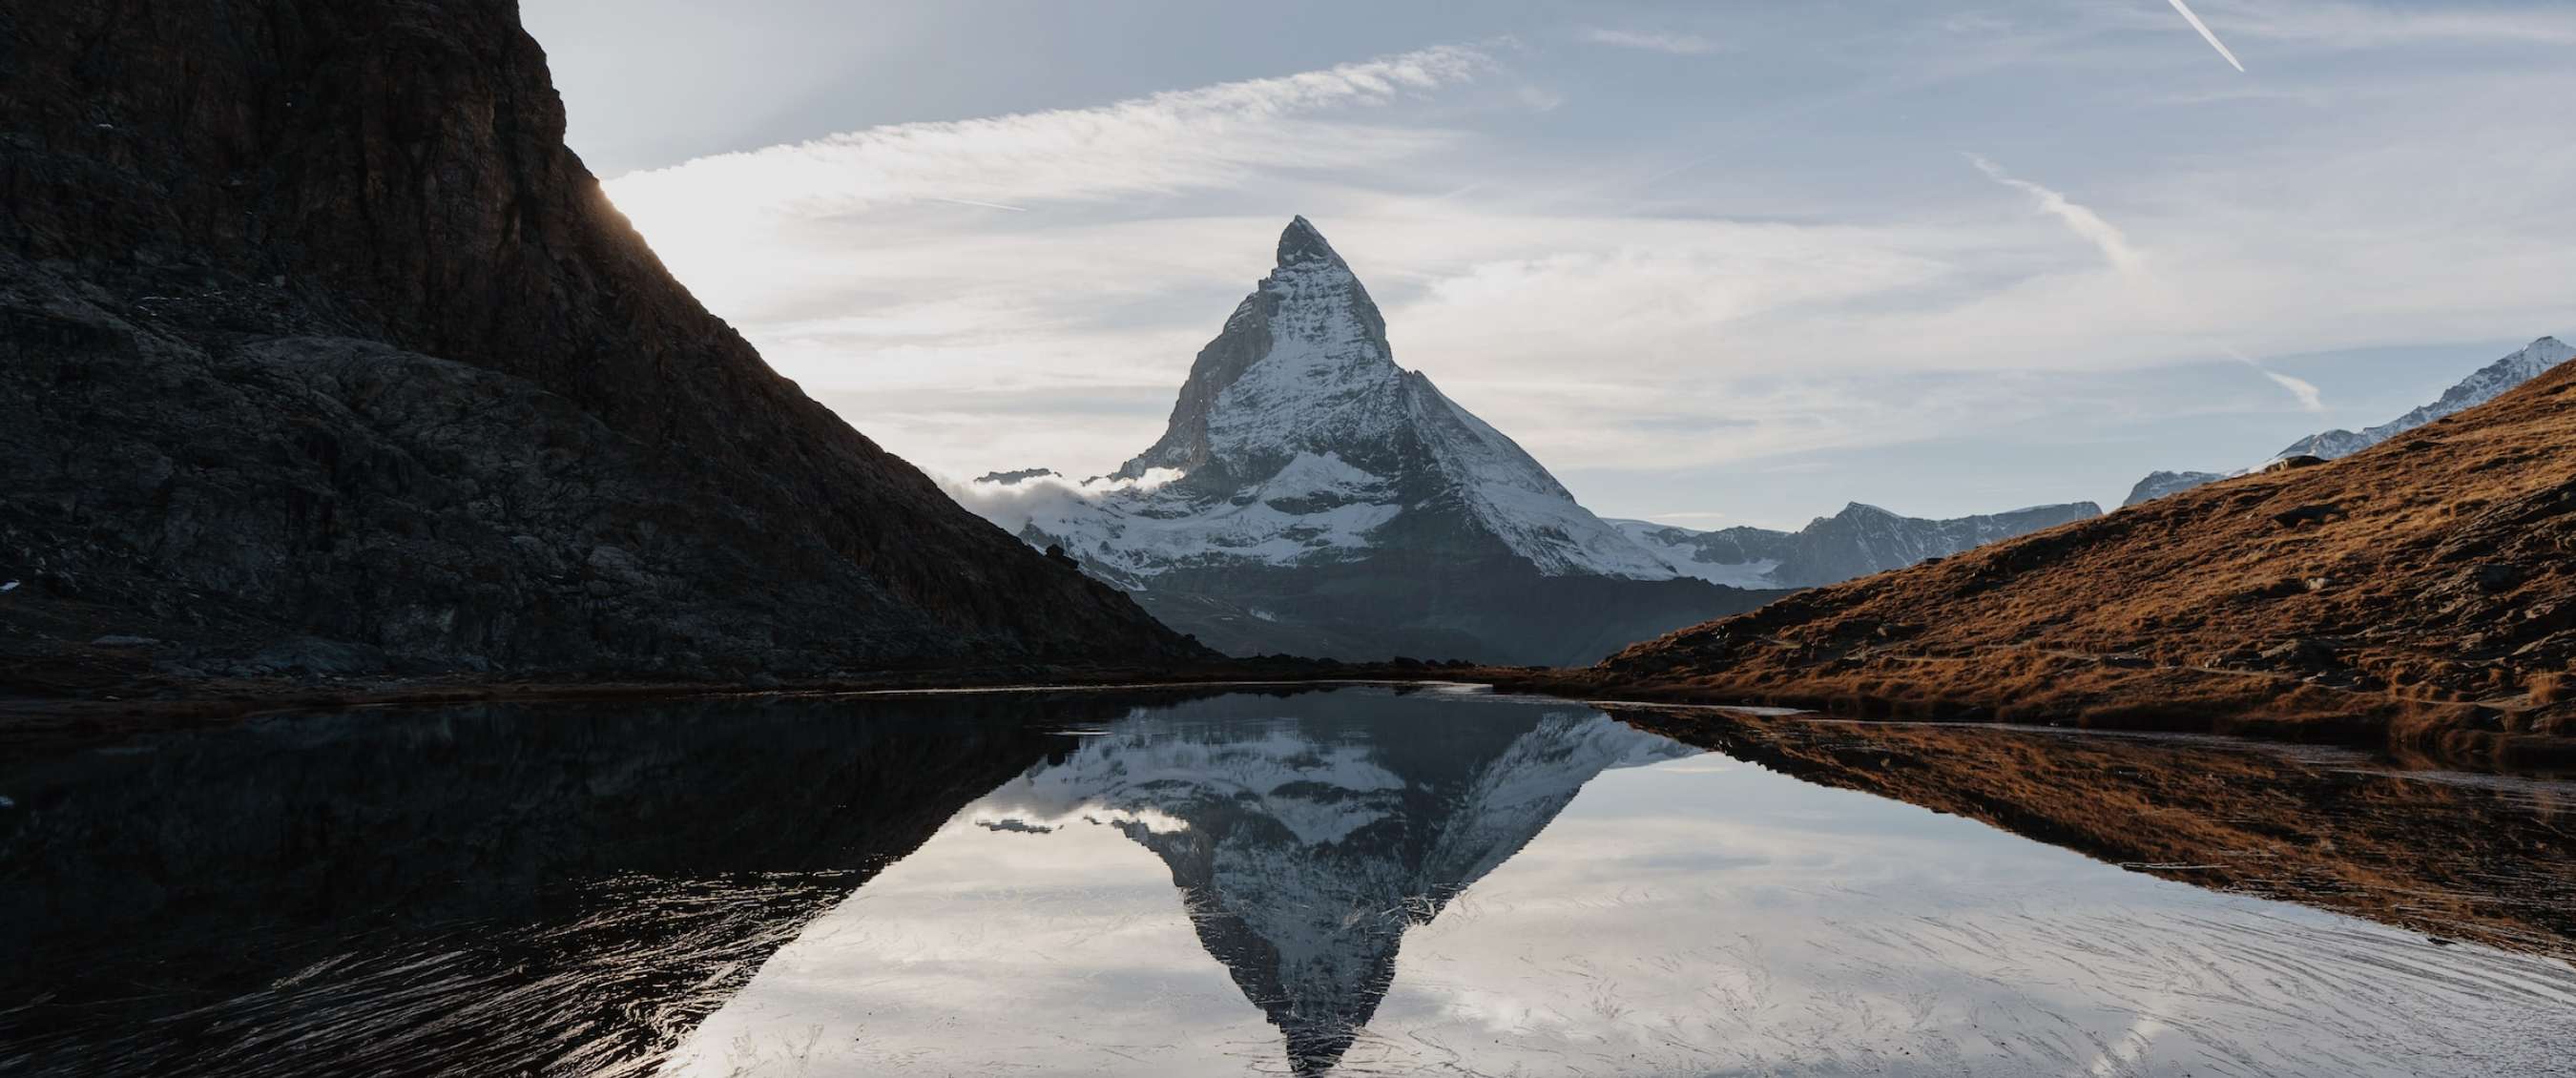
x: 2423, y: 591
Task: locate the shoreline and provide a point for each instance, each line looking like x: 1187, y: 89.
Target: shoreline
x: 2068, y: 693
x: 2455, y: 734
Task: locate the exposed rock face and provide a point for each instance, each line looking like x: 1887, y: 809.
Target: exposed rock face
x: 2486, y: 384
x: 1859, y: 541
x: 2159, y: 484
x: 318, y: 328
x: 1309, y: 496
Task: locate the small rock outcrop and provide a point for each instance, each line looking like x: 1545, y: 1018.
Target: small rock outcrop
x: 2159, y: 484
x: 2297, y: 515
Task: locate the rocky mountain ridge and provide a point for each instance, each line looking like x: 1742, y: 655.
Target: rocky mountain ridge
x: 1856, y: 542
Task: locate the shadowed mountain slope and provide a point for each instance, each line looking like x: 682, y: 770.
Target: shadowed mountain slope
x: 318, y: 328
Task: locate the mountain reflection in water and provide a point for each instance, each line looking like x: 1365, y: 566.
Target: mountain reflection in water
x: 1355, y: 881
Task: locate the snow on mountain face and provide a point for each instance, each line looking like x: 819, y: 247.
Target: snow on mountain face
x: 2485, y: 384
x: 1859, y: 541
x: 1738, y: 557
x: 1297, y: 440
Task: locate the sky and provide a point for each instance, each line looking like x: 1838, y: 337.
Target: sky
x: 1711, y: 263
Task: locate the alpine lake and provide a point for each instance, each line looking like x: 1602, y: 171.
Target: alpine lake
x: 1355, y: 880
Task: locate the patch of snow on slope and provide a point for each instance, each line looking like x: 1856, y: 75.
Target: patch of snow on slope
x: 1324, y: 382
x: 1313, y: 506
x: 1013, y: 499
x: 1516, y: 498
x: 1665, y: 542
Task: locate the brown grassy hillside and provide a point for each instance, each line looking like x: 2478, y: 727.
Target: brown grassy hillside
x: 2423, y: 591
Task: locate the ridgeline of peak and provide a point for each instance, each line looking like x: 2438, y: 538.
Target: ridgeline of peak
x: 1318, y: 337
x: 1301, y: 241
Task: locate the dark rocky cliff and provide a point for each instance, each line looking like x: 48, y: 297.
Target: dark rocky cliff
x: 311, y: 324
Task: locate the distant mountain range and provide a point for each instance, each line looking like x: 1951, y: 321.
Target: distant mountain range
x: 1859, y: 541
x: 1310, y: 496
x: 2485, y: 384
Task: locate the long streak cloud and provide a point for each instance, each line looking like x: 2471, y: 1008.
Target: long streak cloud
x: 2206, y: 33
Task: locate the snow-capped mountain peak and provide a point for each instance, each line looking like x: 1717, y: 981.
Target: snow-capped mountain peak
x: 2482, y: 385
x: 1299, y: 439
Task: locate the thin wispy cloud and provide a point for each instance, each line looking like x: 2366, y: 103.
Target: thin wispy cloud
x: 735, y: 225
x: 2360, y: 26
x: 1751, y: 338
x: 2205, y: 33
x: 2078, y: 218
x: 1674, y: 44
x: 2310, y: 400
x: 2309, y: 397
x: 1162, y: 142
x: 981, y: 205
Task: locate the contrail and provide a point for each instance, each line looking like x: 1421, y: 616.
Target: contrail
x: 2310, y: 398
x: 2203, y: 27
x: 986, y: 205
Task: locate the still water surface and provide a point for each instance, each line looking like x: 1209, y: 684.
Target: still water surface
x: 1357, y: 881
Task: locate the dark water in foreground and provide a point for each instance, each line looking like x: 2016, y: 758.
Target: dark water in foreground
x: 1354, y: 881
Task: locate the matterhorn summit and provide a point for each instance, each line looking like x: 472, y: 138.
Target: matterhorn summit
x: 1310, y: 496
